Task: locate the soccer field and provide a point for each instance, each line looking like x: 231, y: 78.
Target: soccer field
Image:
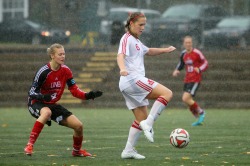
x: 224, y: 139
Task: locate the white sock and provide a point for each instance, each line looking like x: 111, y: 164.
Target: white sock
x: 133, y: 136
x: 156, y: 110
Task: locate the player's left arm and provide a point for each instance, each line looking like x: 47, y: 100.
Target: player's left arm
x: 204, y: 63
x: 78, y: 93
x: 158, y: 51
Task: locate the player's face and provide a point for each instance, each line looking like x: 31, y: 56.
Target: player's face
x: 59, y: 56
x: 138, y: 26
x: 188, y: 44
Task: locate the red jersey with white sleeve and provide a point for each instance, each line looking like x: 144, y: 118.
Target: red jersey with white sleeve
x: 190, y: 61
x: 48, y: 81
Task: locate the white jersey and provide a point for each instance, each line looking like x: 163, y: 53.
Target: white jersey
x: 134, y: 59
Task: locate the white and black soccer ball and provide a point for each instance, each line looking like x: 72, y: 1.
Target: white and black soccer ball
x: 179, y: 138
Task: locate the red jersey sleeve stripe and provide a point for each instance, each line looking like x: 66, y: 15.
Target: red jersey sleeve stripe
x: 199, y: 53
x: 124, y: 43
x: 204, y: 65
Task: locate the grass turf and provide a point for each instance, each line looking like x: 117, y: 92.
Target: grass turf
x: 224, y: 139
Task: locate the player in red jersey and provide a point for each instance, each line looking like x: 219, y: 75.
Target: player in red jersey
x: 47, y: 88
x: 195, y: 64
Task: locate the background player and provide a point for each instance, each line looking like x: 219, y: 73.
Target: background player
x: 47, y: 88
x: 195, y: 63
x: 135, y: 87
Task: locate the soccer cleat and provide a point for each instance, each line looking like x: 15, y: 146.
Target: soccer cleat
x: 200, y: 120
x: 28, y: 150
x: 148, y: 132
x: 133, y: 154
x: 81, y: 153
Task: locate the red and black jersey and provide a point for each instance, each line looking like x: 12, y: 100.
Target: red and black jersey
x: 190, y: 61
x: 47, y: 81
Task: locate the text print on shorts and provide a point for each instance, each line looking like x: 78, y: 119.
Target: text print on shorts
x: 59, y: 118
x: 145, y: 86
x: 33, y: 112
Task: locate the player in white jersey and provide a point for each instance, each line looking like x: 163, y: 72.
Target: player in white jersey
x: 135, y: 87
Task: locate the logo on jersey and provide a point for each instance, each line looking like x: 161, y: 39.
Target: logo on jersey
x: 53, y: 96
x: 72, y: 81
x: 189, y: 62
x: 137, y: 47
x: 56, y: 84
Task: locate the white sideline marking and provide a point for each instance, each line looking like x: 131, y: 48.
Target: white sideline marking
x: 17, y: 153
x: 102, y: 148
x: 44, y: 151
x: 116, y: 136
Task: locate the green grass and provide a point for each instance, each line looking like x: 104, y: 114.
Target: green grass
x: 223, y: 140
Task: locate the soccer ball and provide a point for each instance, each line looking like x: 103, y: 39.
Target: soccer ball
x: 179, y: 138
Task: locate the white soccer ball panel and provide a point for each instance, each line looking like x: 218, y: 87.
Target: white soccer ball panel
x: 179, y: 138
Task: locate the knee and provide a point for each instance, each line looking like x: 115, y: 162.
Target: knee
x: 184, y: 99
x: 78, y: 127
x: 168, y: 95
x: 45, y: 113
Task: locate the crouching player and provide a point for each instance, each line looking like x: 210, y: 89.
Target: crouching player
x: 47, y: 88
x: 195, y: 63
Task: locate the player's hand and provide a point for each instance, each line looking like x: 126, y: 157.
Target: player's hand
x: 171, y: 49
x: 176, y: 73
x: 47, y: 97
x: 41, y: 97
x: 123, y: 73
x: 93, y: 94
x: 197, y: 70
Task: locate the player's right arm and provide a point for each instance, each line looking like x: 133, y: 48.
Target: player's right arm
x: 121, y: 64
x: 34, y: 92
x: 179, y: 66
x: 123, y: 50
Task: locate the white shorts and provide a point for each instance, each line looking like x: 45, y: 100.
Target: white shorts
x: 135, y: 95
